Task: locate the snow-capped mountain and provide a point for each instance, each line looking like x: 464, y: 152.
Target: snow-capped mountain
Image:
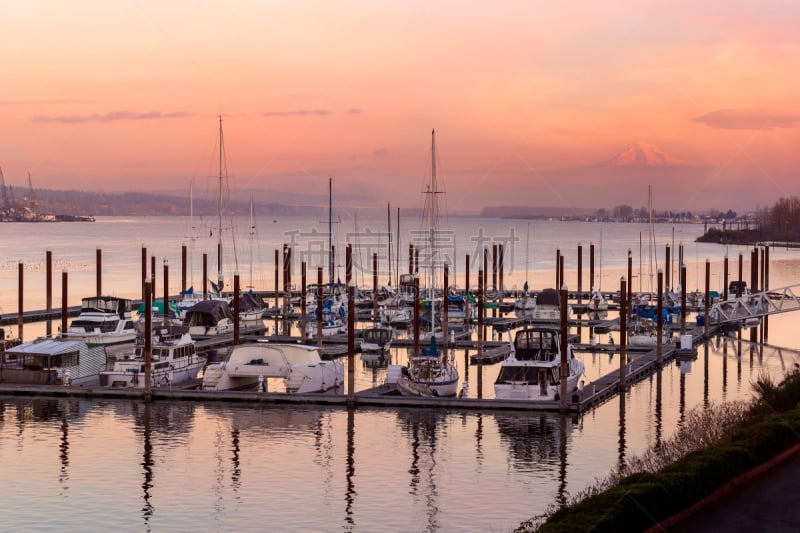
x: 642, y: 154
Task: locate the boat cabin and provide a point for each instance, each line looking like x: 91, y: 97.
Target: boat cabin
x: 537, y: 344
x: 107, y: 304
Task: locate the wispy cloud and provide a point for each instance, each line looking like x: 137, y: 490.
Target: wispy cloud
x: 110, y: 117
x: 749, y: 119
x: 310, y: 113
x: 20, y: 103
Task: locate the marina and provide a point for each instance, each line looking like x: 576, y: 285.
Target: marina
x: 523, y: 439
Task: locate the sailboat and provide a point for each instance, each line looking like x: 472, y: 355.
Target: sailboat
x: 598, y: 305
x: 334, y: 304
x: 251, y: 308
x: 189, y: 297
x: 525, y: 304
x: 430, y: 373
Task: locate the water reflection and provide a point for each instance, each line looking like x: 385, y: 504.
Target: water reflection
x: 350, y: 491
x: 621, y: 442
x: 422, y: 428
x: 145, y: 421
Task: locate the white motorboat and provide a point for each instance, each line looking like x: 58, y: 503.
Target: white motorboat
x: 531, y: 371
x: 174, y: 360
x: 58, y: 360
x: 103, y: 320
x: 249, y: 365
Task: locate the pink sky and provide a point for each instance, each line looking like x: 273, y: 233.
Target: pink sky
x: 123, y: 96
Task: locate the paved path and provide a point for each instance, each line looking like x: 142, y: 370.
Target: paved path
x: 770, y: 501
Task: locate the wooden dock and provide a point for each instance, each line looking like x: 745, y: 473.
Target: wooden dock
x: 605, y: 387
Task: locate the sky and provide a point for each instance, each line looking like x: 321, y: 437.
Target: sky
x: 528, y: 98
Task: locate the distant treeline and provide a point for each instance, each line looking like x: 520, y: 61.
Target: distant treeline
x: 779, y: 223
x: 141, y: 204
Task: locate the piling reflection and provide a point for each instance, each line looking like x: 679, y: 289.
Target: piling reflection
x: 422, y: 427
x: 621, y: 444
x: 659, y: 418
x: 147, y: 463
x: 350, y: 471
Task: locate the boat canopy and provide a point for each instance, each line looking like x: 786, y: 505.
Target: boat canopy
x: 537, y: 344
x: 548, y: 297
x: 208, y: 313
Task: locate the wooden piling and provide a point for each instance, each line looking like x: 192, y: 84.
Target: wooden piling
x: 49, y: 290
x: 558, y: 267
x: 591, y: 267
x: 303, y: 304
x: 375, y: 286
x: 623, y: 334
x: 183, y: 267
x: 725, y: 279
x: 766, y: 289
x: 707, y: 299
x: 416, y: 261
x: 236, y: 310
x: 20, y: 305
x: 205, y: 276
x: 351, y: 344
x: 286, y: 292
x: 741, y: 270
x: 165, y: 321
x: 411, y: 258
x: 445, y: 310
x: 277, y: 286
x: 319, y: 306
x: 754, y: 285
x: 629, y: 294
x: 564, y: 367
x: 660, y: 319
x: 580, y: 273
x: 148, y: 339
x: 348, y: 264
x: 494, y: 267
x: 561, y: 270
x: 501, y: 250
x: 64, y: 303
x: 416, y: 317
x: 144, y: 268
x: 99, y: 270
x: 466, y: 291
x: 481, y: 281
x: 667, y: 267
x: 152, y: 278
x: 683, y: 298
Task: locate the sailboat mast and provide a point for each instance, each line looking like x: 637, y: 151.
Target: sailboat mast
x: 389, y: 225
x: 252, y: 236
x: 527, y: 253
x: 330, y: 230
x: 397, y: 255
x: 432, y: 218
x: 220, y: 279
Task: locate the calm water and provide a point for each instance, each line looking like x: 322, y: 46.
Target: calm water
x: 100, y: 465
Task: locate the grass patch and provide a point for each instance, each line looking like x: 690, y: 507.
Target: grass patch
x: 715, y: 445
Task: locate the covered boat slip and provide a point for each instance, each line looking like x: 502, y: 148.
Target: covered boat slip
x: 50, y: 361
